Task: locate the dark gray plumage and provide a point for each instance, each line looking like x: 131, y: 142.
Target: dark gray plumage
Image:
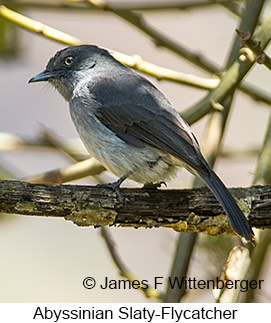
x: 129, y: 125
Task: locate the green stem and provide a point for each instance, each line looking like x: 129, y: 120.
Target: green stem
x: 231, y: 79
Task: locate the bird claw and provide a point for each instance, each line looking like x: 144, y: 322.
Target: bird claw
x: 154, y: 185
x: 115, y: 186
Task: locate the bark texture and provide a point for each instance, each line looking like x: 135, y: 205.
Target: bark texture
x: 189, y: 210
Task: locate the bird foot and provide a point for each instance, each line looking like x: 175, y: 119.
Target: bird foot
x: 154, y: 185
x: 115, y: 186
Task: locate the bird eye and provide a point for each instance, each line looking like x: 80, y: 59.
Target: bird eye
x: 68, y: 60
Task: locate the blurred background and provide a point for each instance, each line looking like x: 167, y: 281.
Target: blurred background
x: 46, y: 260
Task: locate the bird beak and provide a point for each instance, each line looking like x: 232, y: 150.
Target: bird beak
x: 43, y: 76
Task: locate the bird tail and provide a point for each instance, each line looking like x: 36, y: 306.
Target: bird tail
x: 238, y: 221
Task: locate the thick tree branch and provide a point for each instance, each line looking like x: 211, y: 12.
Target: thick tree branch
x: 194, y: 210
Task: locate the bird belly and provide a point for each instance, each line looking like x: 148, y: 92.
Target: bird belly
x: 147, y: 164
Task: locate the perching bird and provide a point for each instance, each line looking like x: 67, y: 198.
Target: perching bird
x: 129, y: 125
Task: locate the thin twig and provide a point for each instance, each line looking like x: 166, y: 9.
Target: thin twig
x: 233, y: 7
x: 255, y: 46
x: 187, y: 242
x: 149, y: 292
x: 162, y: 40
x: 51, y: 138
x: 37, y: 27
x: 255, y: 93
x: 88, y: 167
x: 83, y: 168
x: 236, y: 268
x: 262, y: 177
x: 10, y: 142
x: 211, y: 145
x: 239, y: 258
x: 135, y: 62
x: 232, y: 77
x: 180, y: 265
x: 76, y: 171
x: 74, y: 147
x: 131, y: 5
x: 159, y: 39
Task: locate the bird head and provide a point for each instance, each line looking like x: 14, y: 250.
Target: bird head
x: 70, y: 65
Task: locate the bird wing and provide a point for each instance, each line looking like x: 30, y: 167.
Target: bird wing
x: 140, y: 114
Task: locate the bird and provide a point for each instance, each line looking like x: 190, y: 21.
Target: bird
x: 130, y: 126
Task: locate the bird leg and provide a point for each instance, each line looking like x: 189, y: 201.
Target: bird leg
x: 116, y: 186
